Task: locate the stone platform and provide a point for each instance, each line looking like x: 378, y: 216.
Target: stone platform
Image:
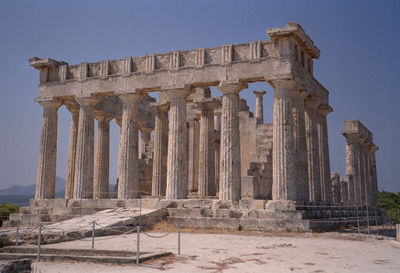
x: 203, y: 213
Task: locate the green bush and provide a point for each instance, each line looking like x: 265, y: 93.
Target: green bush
x: 389, y: 202
x: 6, y: 210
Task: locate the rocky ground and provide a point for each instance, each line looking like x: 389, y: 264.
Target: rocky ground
x: 216, y: 251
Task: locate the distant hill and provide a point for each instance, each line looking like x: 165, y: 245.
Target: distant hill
x: 20, y: 195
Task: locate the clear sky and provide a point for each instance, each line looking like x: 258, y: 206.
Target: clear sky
x: 359, y: 63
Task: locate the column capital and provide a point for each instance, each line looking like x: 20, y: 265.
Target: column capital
x: 299, y: 94
x: 50, y: 103
x: 87, y: 101
x: 160, y: 107
x: 177, y: 93
x: 207, y: 103
x: 374, y: 148
x: 324, y: 109
x: 144, y: 128
x: 72, y: 106
x: 311, y: 102
x: 101, y: 116
x: 131, y: 97
x: 231, y: 86
x: 282, y: 83
x: 259, y: 93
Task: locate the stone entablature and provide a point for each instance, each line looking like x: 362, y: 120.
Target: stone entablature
x: 250, y: 62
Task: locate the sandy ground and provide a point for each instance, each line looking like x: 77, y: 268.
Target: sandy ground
x: 200, y: 252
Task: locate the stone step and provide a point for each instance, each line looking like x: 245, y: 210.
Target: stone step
x: 238, y: 223
x: 74, y: 252
x: 84, y: 258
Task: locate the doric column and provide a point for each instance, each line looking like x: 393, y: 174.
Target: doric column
x: 145, y: 138
x: 73, y: 135
x: 206, y: 148
x: 374, y: 182
x: 313, y: 161
x: 300, y: 145
x: 361, y: 167
x: 217, y: 131
x: 368, y: 191
x: 322, y: 111
x: 46, y: 175
x: 284, y: 184
x: 84, y: 161
x: 193, y: 150
x: 229, y: 176
x: 352, y: 169
x: 101, y: 179
x: 177, y: 184
x: 128, y: 175
x: 259, y: 106
x: 160, y: 149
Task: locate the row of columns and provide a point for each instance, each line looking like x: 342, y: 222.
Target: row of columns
x: 361, y: 170
x: 300, y: 151
x: 301, y: 168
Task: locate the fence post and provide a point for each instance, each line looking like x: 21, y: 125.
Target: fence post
x: 179, y: 239
x: 17, y: 234
x: 358, y: 222
x: 138, y: 245
x: 367, y: 218
x: 93, y: 229
x: 39, y: 241
x: 376, y: 221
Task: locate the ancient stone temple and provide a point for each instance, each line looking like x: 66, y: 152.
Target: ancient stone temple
x: 193, y: 146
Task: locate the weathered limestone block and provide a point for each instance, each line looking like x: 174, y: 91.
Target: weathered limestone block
x: 128, y: 178
x: 300, y: 145
x: 250, y: 187
x: 177, y: 184
x: 284, y: 185
x: 46, y: 175
x: 159, y: 181
x: 73, y: 107
x: 84, y: 162
x: 335, y: 178
x: 313, y: 160
x: 101, y: 178
x: 230, y: 141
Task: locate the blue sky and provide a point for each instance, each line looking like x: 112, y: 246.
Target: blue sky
x: 359, y: 63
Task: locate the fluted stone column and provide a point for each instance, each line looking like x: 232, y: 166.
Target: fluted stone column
x: 284, y: 184
x: 206, y: 148
x: 361, y: 168
x: 217, y: 147
x: 177, y: 184
x: 46, y: 175
x: 259, y: 106
x: 374, y: 182
x: 352, y: 169
x: 101, y: 179
x: 145, y: 138
x: 73, y: 135
x: 160, y: 149
x: 229, y: 176
x: 193, y: 150
x: 322, y: 111
x: 128, y: 175
x: 300, y: 145
x: 84, y: 161
x: 368, y: 191
x: 313, y: 161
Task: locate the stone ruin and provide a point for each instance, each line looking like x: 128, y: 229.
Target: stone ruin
x: 196, y: 147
